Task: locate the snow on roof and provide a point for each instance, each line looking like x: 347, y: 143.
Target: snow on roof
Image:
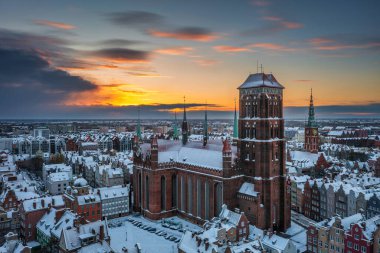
x: 275, y: 242
x: 21, y: 195
x: 80, y: 182
x: 47, y: 222
x: 205, y: 158
x: 303, y: 159
x: 113, y: 192
x: 71, y: 239
x: 28, y: 204
x: 58, y: 176
x: 98, y: 247
x: 232, y: 217
x: 248, y: 189
x: 260, y: 80
x: 88, y: 199
x: 66, y: 221
x: 370, y: 226
x: 346, y: 222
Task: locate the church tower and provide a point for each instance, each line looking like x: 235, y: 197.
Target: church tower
x: 311, y: 129
x: 205, y: 129
x: 185, y: 125
x: 261, y: 150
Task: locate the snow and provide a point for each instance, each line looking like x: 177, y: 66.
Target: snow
x: 88, y: 199
x: 28, y: 204
x: 199, y: 157
x: 113, y: 192
x: 248, y: 189
x: 128, y: 235
x: 80, y: 182
x: 58, y: 177
x: 303, y: 159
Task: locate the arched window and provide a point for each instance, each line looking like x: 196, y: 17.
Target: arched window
x: 147, y: 192
x: 199, y: 198
x: 139, y: 190
x: 174, y: 190
x: 207, y: 200
x: 189, y: 195
x: 182, y: 194
x: 163, y: 193
x: 218, y: 199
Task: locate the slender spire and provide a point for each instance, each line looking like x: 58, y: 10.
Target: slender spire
x: 311, y: 119
x: 205, y: 128
x: 235, y: 135
x: 138, y: 129
x: 185, y: 126
x: 175, y: 128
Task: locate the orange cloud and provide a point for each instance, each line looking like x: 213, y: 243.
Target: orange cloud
x: 206, y: 62
x: 320, y: 41
x: 183, y: 34
x: 342, y: 46
x: 174, y: 50
x: 230, y: 49
x: 272, y: 46
x: 53, y: 24
x: 283, y: 23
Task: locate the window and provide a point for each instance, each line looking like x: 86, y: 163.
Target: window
x: 364, y: 249
x: 349, y: 244
x: 356, y: 246
x: 356, y: 237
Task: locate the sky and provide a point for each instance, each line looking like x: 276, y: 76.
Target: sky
x: 106, y: 59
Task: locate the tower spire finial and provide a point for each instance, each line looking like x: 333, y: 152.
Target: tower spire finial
x: 235, y: 133
x: 205, y: 127
x: 185, y: 126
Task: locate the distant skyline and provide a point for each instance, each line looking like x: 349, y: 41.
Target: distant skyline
x: 98, y: 59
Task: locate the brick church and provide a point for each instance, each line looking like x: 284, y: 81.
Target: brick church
x: 194, y: 179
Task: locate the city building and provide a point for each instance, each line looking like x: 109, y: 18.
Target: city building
x: 194, y: 181
x: 115, y: 201
x: 57, y: 182
x: 311, y: 130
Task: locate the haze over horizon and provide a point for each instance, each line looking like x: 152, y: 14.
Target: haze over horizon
x: 84, y: 60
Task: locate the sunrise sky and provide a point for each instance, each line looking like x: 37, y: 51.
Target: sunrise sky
x: 101, y: 59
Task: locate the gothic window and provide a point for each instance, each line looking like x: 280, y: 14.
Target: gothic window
x: 182, y: 194
x: 163, y: 193
x: 174, y: 190
x: 207, y: 200
x: 199, y: 198
x: 189, y: 195
x: 147, y: 192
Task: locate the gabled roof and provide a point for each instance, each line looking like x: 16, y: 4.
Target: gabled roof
x: 260, y: 80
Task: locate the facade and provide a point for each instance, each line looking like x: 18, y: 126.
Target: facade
x: 311, y: 130
x: 360, y: 237
x: 86, y: 206
x: 57, y: 182
x: 31, y: 211
x: 115, y: 201
x: 373, y: 205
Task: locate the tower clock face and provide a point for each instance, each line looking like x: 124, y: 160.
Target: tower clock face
x: 315, y: 132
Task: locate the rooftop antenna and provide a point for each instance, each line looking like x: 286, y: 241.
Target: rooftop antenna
x: 257, y: 67
x: 261, y: 68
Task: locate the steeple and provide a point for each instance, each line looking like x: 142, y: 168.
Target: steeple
x: 311, y: 119
x: 138, y: 128
x: 175, y: 128
x: 185, y: 126
x: 205, y: 129
x: 235, y: 134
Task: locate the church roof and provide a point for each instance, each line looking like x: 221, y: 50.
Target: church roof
x: 260, y: 80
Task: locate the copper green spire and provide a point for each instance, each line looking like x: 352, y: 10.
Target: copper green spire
x: 138, y: 128
x: 185, y: 126
x: 311, y: 119
x: 175, y: 128
x: 205, y: 129
x: 235, y: 135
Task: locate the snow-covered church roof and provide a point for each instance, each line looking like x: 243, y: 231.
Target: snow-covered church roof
x: 260, y: 80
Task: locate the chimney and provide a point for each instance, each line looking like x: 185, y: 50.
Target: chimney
x: 52, y: 201
x: 364, y: 226
x: 34, y: 205
x: 43, y: 203
x: 206, y: 245
x: 101, y: 232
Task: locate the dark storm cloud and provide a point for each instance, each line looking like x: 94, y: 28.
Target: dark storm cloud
x: 29, y: 83
x: 186, y: 33
x: 135, y: 18
x: 119, y: 42
x: 121, y: 54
